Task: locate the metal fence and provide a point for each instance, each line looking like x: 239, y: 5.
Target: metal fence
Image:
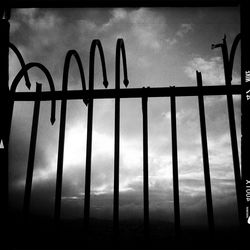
x: 89, y: 95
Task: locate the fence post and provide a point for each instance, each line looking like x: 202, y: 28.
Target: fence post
x: 205, y: 155
x: 32, y: 150
x: 175, y: 166
x: 145, y: 164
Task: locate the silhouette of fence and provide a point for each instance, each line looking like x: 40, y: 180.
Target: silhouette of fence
x: 89, y: 95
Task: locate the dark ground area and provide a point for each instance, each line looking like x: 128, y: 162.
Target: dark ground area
x: 41, y: 233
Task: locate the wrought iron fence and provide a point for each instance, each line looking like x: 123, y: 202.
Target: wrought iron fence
x: 89, y: 95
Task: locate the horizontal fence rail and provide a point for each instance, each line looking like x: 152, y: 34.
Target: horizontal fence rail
x: 128, y: 93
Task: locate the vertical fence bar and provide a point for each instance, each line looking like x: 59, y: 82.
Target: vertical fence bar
x: 62, y: 130
x: 60, y: 156
x: 205, y: 156
x: 175, y: 166
x: 116, y: 145
x: 88, y: 163
x: 228, y: 68
x: 120, y: 50
x: 89, y: 139
x: 145, y: 164
x: 231, y: 117
x: 234, y: 145
x: 32, y: 150
x: 116, y: 166
x: 95, y: 43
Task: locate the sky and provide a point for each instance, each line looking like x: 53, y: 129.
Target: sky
x: 164, y: 47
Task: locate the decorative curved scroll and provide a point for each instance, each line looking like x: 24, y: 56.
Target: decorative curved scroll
x: 228, y: 61
x: 225, y: 59
x: 21, y: 60
x: 224, y: 48
x: 69, y: 55
x: 24, y: 70
x: 96, y: 43
x: 121, y: 48
x: 233, y: 50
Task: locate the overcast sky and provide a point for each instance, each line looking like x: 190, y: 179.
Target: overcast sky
x: 164, y: 46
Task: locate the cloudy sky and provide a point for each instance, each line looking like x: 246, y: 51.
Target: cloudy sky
x: 164, y: 46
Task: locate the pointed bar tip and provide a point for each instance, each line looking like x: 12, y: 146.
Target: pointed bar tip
x: 28, y: 84
x: 52, y: 120
x: 53, y: 113
x: 198, y: 73
x: 105, y: 83
x: 126, y: 82
x: 86, y: 101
